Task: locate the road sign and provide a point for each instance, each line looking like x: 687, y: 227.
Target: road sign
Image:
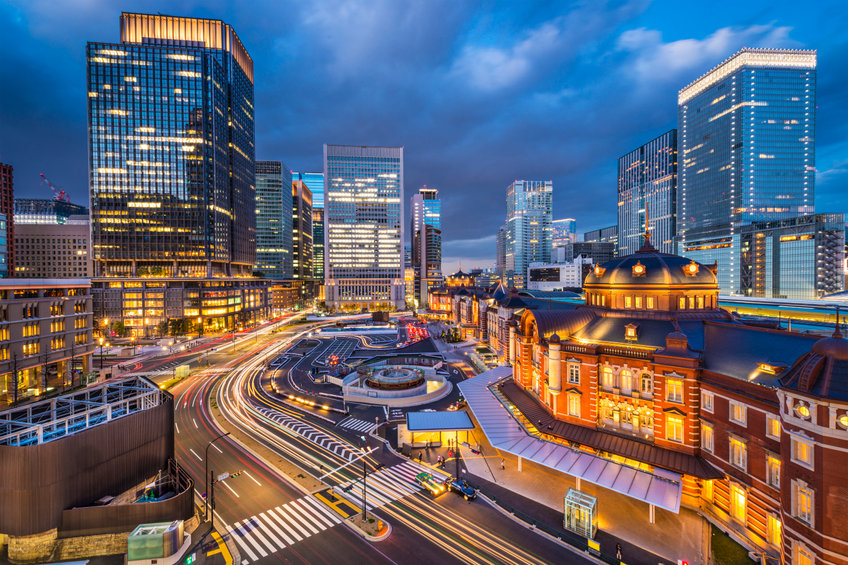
x: 223, y: 476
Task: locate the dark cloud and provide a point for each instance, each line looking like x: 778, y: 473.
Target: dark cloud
x: 479, y: 94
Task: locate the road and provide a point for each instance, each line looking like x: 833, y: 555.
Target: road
x: 273, y: 518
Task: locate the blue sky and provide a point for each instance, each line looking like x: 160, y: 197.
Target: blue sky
x: 478, y: 93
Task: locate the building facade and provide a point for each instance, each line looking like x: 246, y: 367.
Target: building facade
x: 46, y: 338
x: 529, y: 207
x: 500, y: 253
x: 315, y: 183
x: 363, y: 227
x: 7, y: 221
x: 172, y: 179
x: 558, y: 276
x: 46, y: 211
x: 273, y: 220
x: 426, y: 241
x: 603, y: 235
x: 563, y: 231
x: 597, y: 251
x: 746, y: 137
x: 797, y: 258
x: 647, y: 192
x: 54, y: 251
x: 302, y: 230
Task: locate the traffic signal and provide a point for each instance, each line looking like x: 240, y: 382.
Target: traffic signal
x: 191, y: 559
x: 236, y: 474
x: 682, y: 562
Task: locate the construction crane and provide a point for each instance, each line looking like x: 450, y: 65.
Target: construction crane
x: 58, y: 194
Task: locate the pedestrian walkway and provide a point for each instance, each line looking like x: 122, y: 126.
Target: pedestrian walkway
x: 357, y: 425
x: 311, y: 433
x: 277, y: 528
x: 388, y: 484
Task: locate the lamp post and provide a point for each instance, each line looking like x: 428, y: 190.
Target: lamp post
x: 364, y: 478
x: 101, y: 353
x: 206, y: 476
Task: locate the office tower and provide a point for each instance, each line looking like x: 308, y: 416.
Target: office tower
x: 363, y: 227
x: 315, y: 183
x: 528, y: 224
x: 273, y: 220
x: 500, y: 253
x: 301, y: 230
x: 799, y: 258
x: 51, y: 250
x: 171, y: 167
x: 647, y: 188
x: 603, y: 235
x: 746, y: 144
x: 45, y: 211
x: 426, y: 236
x: 564, y: 231
x: 598, y: 251
x: 7, y: 221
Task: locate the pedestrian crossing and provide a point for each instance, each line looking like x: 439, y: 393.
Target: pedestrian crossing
x: 396, y: 414
x: 387, y: 485
x: 357, y: 425
x: 312, y: 434
x: 280, y: 527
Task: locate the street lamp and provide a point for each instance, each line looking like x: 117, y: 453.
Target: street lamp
x: 101, y: 353
x: 206, y: 478
x: 364, y: 477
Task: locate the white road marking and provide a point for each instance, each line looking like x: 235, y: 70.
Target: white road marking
x: 195, y: 454
x: 195, y: 422
x: 231, y: 489
x: 177, y: 426
x: 218, y: 448
x: 251, y: 476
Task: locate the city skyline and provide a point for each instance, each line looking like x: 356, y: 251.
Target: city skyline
x: 639, y: 45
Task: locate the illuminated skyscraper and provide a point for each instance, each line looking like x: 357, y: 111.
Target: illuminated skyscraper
x: 302, y: 230
x: 7, y: 221
x: 647, y: 186
x: 315, y: 183
x: 273, y: 220
x: 363, y: 227
x: 528, y: 225
x: 564, y: 232
x: 171, y: 167
x: 746, y: 151
x: 426, y: 236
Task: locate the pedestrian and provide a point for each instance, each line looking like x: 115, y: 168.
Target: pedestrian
x: 502, y: 464
x: 618, y: 551
x: 419, y: 456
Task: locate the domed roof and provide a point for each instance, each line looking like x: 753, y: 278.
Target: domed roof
x: 835, y: 347
x: 650, y: 267
x: 823, y: 371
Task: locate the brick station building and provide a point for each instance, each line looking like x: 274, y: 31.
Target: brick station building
x: 651, y: 373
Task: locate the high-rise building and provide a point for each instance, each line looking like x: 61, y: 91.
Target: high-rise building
x: 603, y: 235
x: 363, y: 227
x: 797, y: 258
x: 315, y: 183
x: 647, y: 188
x: 528, y: 224
x: 51, y: 250
x: 598, y: 251
x: 273, y: 220
x: 500, y: 253
x: 746, y: 145
x: 426, y: 241
x: 171, y: 167
x: 302, y: 230
x: 564, y: 231
x: 7, y: 221
x: 45, y: 211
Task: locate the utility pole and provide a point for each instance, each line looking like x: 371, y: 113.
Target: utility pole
x: 211, y: 495
x: 206, y: 467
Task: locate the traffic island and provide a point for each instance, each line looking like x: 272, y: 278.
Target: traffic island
x: 371, y: 528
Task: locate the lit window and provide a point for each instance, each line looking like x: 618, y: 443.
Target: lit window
x: 607, y: 378
x: 738, y: 413
x: 707, y: 437
x: 773, y: 470
x: 628, y: 302
x: 700, y: 302
x: 707, y: 490
x: 738, y: 501
x: 801, y: 555
x: 650, y: 301
x: 573, y: 373
x: 772, y: 427
x: 574, y: 405
x: 682, y: 304
x: 647, y: 384
x: 674, y: 390
x: 774, y: 530
x: 802, y: 452
x: 803, y: 496
x: 674, y: 428
x: 707, y: 401
x: 638, y: 302
x: 738, y: 453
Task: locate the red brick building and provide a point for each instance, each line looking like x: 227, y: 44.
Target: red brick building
x: 650, y: 372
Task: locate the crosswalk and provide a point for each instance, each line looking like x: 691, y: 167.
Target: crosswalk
x: 396, y: 415
x: 280, y: 527
x: 312, y: 434
x: 357, y: 425
x: 388, y: 484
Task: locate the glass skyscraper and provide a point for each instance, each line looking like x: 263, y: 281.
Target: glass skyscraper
x: 426, y: 241
x: 746, y: 150
x: 302, y: 230
x: 363, y: 223
x: 528, y: 224
x: 564, y: 232
x: 647, y: 187
x: 315, y: 183
x: 273, y: 220
x: 171, y: 167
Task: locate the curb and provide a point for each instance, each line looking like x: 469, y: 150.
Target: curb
x: 365, y: 535
x: 583, y: 553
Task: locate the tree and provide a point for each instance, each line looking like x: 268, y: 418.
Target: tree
x: 119, y: 329
x: 162, y: 328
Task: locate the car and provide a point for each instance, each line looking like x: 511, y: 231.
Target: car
x: 459, y: 486
x: 430, y: 483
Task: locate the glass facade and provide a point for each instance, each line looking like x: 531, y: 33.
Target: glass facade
x: 363, y: 223
x: 529, y: 232
x: 44, y: 211
x: 315, y: 183
x: 564, y: 232
x: 647, y: 188
x: 302, y: 230
x: 273, y: 220
x: 426, y: 244
x: 747, y: 152
x: 4, y: 247
x: 171, y: 150
x: 7, y: 268
x: 798, y: 258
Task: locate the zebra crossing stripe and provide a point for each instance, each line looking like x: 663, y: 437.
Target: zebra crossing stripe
x: 240, y: 534
x: 280, y: 523
x: 323, y: 513
x: 274, y: 536
x: 259, y: 534
x: 298, y: 512
x: 286, y: 514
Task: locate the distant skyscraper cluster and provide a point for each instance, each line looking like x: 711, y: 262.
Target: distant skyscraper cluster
x: 528, y: 229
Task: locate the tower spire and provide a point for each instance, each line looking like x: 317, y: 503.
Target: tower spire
x: 646, y: 246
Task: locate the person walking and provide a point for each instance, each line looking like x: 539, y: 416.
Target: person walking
x: 618, y: 551
x: 502, y: 464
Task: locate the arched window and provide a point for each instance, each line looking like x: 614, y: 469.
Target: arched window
x: 647, y: 385
x: 626, y: 381
x: 607, y: 378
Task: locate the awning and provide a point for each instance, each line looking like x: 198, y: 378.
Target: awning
x: 662, y: 488
x: 449, y: 421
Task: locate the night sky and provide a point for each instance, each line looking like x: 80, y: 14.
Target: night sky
x: 479, y: 93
